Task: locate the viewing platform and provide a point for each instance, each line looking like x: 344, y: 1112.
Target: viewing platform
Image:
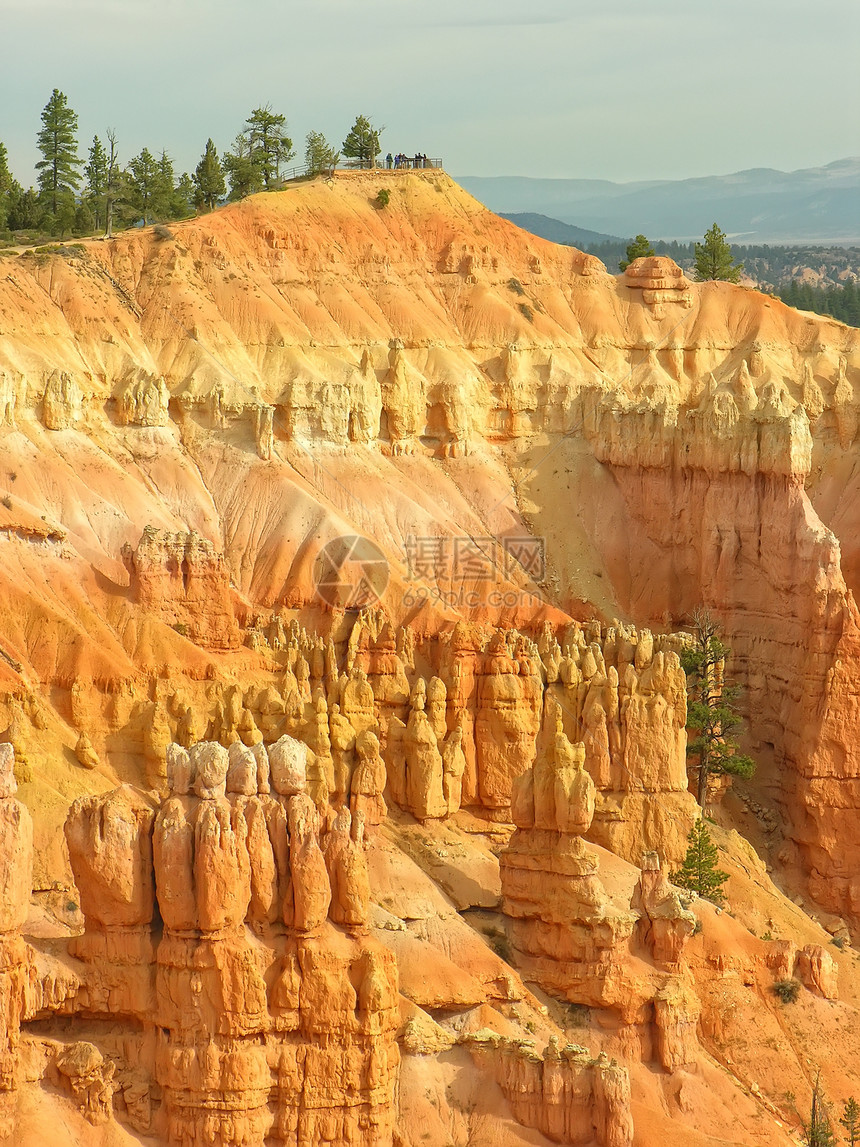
x: 408, y: 163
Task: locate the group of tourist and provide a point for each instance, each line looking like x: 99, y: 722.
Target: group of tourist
x: 396, y: 162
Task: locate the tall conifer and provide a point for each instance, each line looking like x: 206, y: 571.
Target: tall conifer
x: 58, y: 143
x: 208, y: 177
x: 5, y: 186
x: 96, y: 172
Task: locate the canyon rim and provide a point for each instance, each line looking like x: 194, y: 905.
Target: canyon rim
x: 346, y: 553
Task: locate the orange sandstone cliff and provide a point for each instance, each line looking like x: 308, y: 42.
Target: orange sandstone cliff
x: 342, y: 722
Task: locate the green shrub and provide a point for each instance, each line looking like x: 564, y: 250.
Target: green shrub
x: 786, y: 990
x: 383, y: 197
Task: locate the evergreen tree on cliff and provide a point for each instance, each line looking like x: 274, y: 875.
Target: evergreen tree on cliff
x: 850, y: 1120
x: 362, y: 143
x: 269, y: 146
x: 712, y: 714
x: 713, y: 258
x: 5, y: 187
x: 638, y: 248
x: 173, y: 199
x: 96, y: 172
x: 318, y: 155
x: 244, y: 175
x: 183, y: 202
x: 209, y: 182
x: 85, y: 221
x: 817, y: 1132
x: 24, y: 208
x: 145, y: 185
x: 699, y: 872
x: 58, y: 167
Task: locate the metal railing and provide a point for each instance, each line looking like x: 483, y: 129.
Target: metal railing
x: 412, y: 163
x: 409, y: 163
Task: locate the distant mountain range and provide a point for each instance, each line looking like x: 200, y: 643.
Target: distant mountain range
x: 558, y: 232
x: 814, y: 205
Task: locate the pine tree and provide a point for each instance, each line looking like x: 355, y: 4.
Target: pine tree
x: 850, y: 1120
x: 244, y: 175
x: 64, y: 220
x: 25, y: 211
x: 209, y: 180
x: 713, y: 258
x: 184, y: 199
x: 57, y: 141
x: 818, y: 1132
x: 269, y: 146
x: 318, y: 155
x: 699, y: 872
x: 96, y: 172
x: 85, y: 221
x: 6, y: 182
x: 165, y: 186
x: 638, y: 248
x: 362, y: 142
x: 144, y: 184
x: 712, y: 714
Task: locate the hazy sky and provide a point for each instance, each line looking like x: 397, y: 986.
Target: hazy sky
x: 615, y: 89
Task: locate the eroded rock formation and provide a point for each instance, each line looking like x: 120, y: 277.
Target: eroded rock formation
x: 563, y: 921
x: 183, y: 580
x: 16, y: 878
x: 262, y: 1019
x: 434, y: 379
x: 565, y: 1093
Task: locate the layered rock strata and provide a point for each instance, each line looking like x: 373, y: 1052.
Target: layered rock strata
x: 229, y: 923
x: 394, y: 344
x: 16, y: 879
x: 569, y: 936
x: 565, y: 1093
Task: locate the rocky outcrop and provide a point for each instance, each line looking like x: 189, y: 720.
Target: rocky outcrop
x: 8, y: 399
x: 82, y: 1070
x: 143, y: 401
x: 661, y: 282
x: 233, y: 928
x: 563, y: 1092
x: 184, y: 581
x: 16, y: 880
x: 729, y: 475
x: 62, y: 403
x: 568, y: 935
x: 812, y: 965
x: 818, y: 971
x: 563, y: 445
x: 110, y: 848
x: 507, y: 719
x: 665, y: 924
x: 563, y: 923
x: 623, y: 694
